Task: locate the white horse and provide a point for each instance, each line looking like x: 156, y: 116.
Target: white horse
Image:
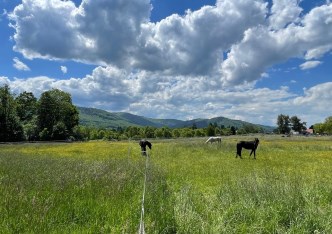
x: 213, y: 139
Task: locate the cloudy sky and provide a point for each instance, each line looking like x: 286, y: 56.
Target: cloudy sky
x: 242, y: 59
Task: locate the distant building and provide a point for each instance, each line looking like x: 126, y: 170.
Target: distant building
x: 309, y: 131
x: 292, y: 132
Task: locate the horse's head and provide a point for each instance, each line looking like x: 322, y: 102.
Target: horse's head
x: 149, y: 144
x: 256, y: 142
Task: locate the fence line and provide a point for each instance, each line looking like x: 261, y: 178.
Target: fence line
x: 141, y: 226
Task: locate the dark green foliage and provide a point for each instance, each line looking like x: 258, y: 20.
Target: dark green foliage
x: 249, y: 128
x: 56, y: 114
x: 297, y: 125
x: 283, y: 123
x: 210, y: 131
x: 26, y: 106
x: 52, y: 117
x: 324, y: 128
x: 286, y: 124
x: 10, y: 127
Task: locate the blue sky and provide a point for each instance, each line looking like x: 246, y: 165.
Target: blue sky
x: 250, y: 60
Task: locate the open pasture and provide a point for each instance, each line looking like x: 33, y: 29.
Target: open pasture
x: 192, y: 187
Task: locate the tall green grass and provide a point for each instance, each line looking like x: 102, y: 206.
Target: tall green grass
x: 56, y: 189
x: 192, y: 187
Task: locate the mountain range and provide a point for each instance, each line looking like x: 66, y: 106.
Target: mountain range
x: 104, y: 119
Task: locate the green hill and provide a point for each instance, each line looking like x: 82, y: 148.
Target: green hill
x: 104, y: 119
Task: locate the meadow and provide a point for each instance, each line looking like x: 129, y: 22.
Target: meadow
x: 191, y: 187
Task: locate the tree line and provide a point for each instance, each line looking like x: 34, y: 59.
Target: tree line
x: 135, y: 132
x: 24, y: 117
x: 287, y: 124
x: 325, y: 127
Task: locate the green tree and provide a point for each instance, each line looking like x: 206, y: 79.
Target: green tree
x: 26, y: 106
x: 297, y: 125
x: 167, y: 133
x: 133, y: 132
x: 226, y: 131
x: 57, y: 116
x: 31, y: 129
x: 233, y: 130
x: 176, y: 133
x: 327, y: 125
x: 158, y: 133
x: 10, y: 127
x: 283, y: 122
x: 148, y: 132
x: 199, y: 133
x: 187, y: 132
x: 59, y: 131
x: 210, y: 130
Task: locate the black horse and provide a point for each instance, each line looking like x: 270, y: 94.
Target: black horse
x: 143, y: 143
x: 251, y: 145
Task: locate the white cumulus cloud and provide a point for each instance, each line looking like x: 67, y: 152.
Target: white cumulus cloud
x: 19, y: 65
x: 207, y: 60
x: 64, y: 69
x: 310, y: 65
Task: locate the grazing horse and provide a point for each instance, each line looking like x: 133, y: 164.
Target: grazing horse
x: 251, y: 145
x: 143, y: 143
x: 213, y: 139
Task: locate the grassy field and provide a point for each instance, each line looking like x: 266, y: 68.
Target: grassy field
x: 192, y: 187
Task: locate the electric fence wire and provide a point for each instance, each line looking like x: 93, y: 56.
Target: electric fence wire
x: 141, y: 226
x: 141, y: 229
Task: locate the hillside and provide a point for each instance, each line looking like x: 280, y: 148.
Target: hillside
x: 104, y: 119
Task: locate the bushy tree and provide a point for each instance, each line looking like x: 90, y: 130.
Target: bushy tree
x: 148, y: 132
x: 31, y: 129
x: 283, y: 122
x: 26, y: 106
x: 324, y: 128
x: 187, y: 132
x: 328, y: 125
x: 297, y: 125
x: 210, y: 130
x: 176, y: 133
x: 233, y: 130
x: 10, y: 126
x: 199, y: 133
x: 133, y: 132
x: 57, y: 116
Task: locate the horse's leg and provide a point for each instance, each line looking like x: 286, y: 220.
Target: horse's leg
x: 238, y: 152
